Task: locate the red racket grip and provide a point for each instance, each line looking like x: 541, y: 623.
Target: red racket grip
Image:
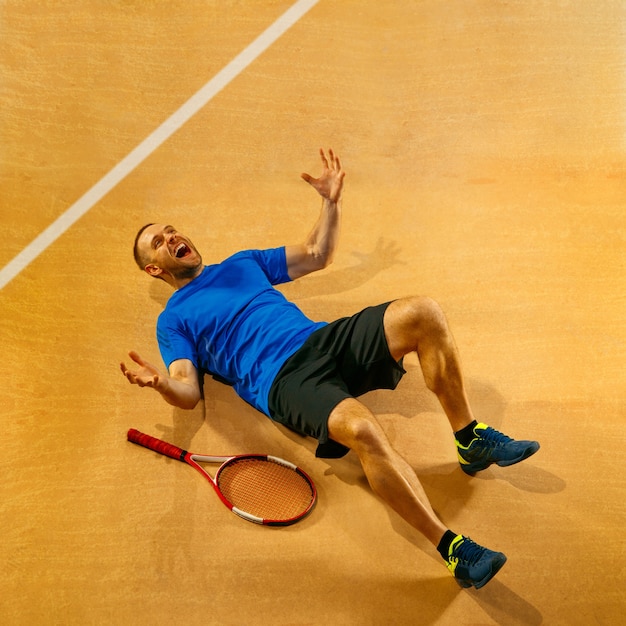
x: 157, y: 445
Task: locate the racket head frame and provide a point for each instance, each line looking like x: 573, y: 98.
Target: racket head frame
x: 194, y: 460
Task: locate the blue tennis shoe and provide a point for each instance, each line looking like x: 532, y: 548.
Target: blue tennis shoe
x: 471, y: 564
x: 490, y: 446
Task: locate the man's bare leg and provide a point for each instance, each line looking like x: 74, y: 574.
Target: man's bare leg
x: 390, y: 476
x: 419, y: 325
x: 394, y: 480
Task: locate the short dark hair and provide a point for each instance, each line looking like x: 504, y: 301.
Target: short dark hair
x: 140, y: 258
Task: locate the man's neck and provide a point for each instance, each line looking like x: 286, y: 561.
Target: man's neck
x: 178, y: 282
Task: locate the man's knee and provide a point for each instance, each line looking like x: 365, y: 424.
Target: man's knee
x: 353, y: 425
x: 410, y: 320
x: 425, y: 313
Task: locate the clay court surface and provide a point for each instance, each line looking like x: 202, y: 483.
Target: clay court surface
x: 485, y: 150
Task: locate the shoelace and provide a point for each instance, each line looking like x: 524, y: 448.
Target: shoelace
x: 467, y: 551
x: 493, y: 437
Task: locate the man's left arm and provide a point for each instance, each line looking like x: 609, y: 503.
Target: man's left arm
x: 180, y: 387
x: 317, y: 251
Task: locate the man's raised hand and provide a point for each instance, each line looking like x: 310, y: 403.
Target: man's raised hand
x: 330, y: 184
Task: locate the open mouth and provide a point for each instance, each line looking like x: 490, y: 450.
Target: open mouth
x: 181, y: 250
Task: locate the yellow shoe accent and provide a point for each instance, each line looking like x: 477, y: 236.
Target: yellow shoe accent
x: 452, y: 561
x: 459, y: 447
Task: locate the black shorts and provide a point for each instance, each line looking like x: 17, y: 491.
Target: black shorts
x: 344, y: 359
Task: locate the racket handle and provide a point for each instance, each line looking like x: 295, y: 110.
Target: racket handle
x: 162, y: 447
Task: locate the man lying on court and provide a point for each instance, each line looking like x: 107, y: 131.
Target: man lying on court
x: 228, y: 320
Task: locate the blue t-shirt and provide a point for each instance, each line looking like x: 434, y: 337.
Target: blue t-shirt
x: 230, y: 321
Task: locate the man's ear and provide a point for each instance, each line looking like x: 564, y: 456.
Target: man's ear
x: 153, y: 270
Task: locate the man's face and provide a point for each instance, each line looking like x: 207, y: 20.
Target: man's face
x: 169, y: 252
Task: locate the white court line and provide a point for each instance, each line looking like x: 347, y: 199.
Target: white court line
x: 153, y: 141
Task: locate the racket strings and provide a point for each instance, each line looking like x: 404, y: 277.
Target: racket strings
x: 265, y: 489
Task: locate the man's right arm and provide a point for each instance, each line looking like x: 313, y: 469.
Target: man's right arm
x: 317, y: 251
x: 181, y: 388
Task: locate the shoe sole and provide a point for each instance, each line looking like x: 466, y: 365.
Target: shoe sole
x: 472, y: 468
x: 495, y: 568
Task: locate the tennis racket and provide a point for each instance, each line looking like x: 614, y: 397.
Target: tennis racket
x: 259, y: 488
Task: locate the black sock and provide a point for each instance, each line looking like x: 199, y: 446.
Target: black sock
x: 466, y: 434
x: 444, y: 545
